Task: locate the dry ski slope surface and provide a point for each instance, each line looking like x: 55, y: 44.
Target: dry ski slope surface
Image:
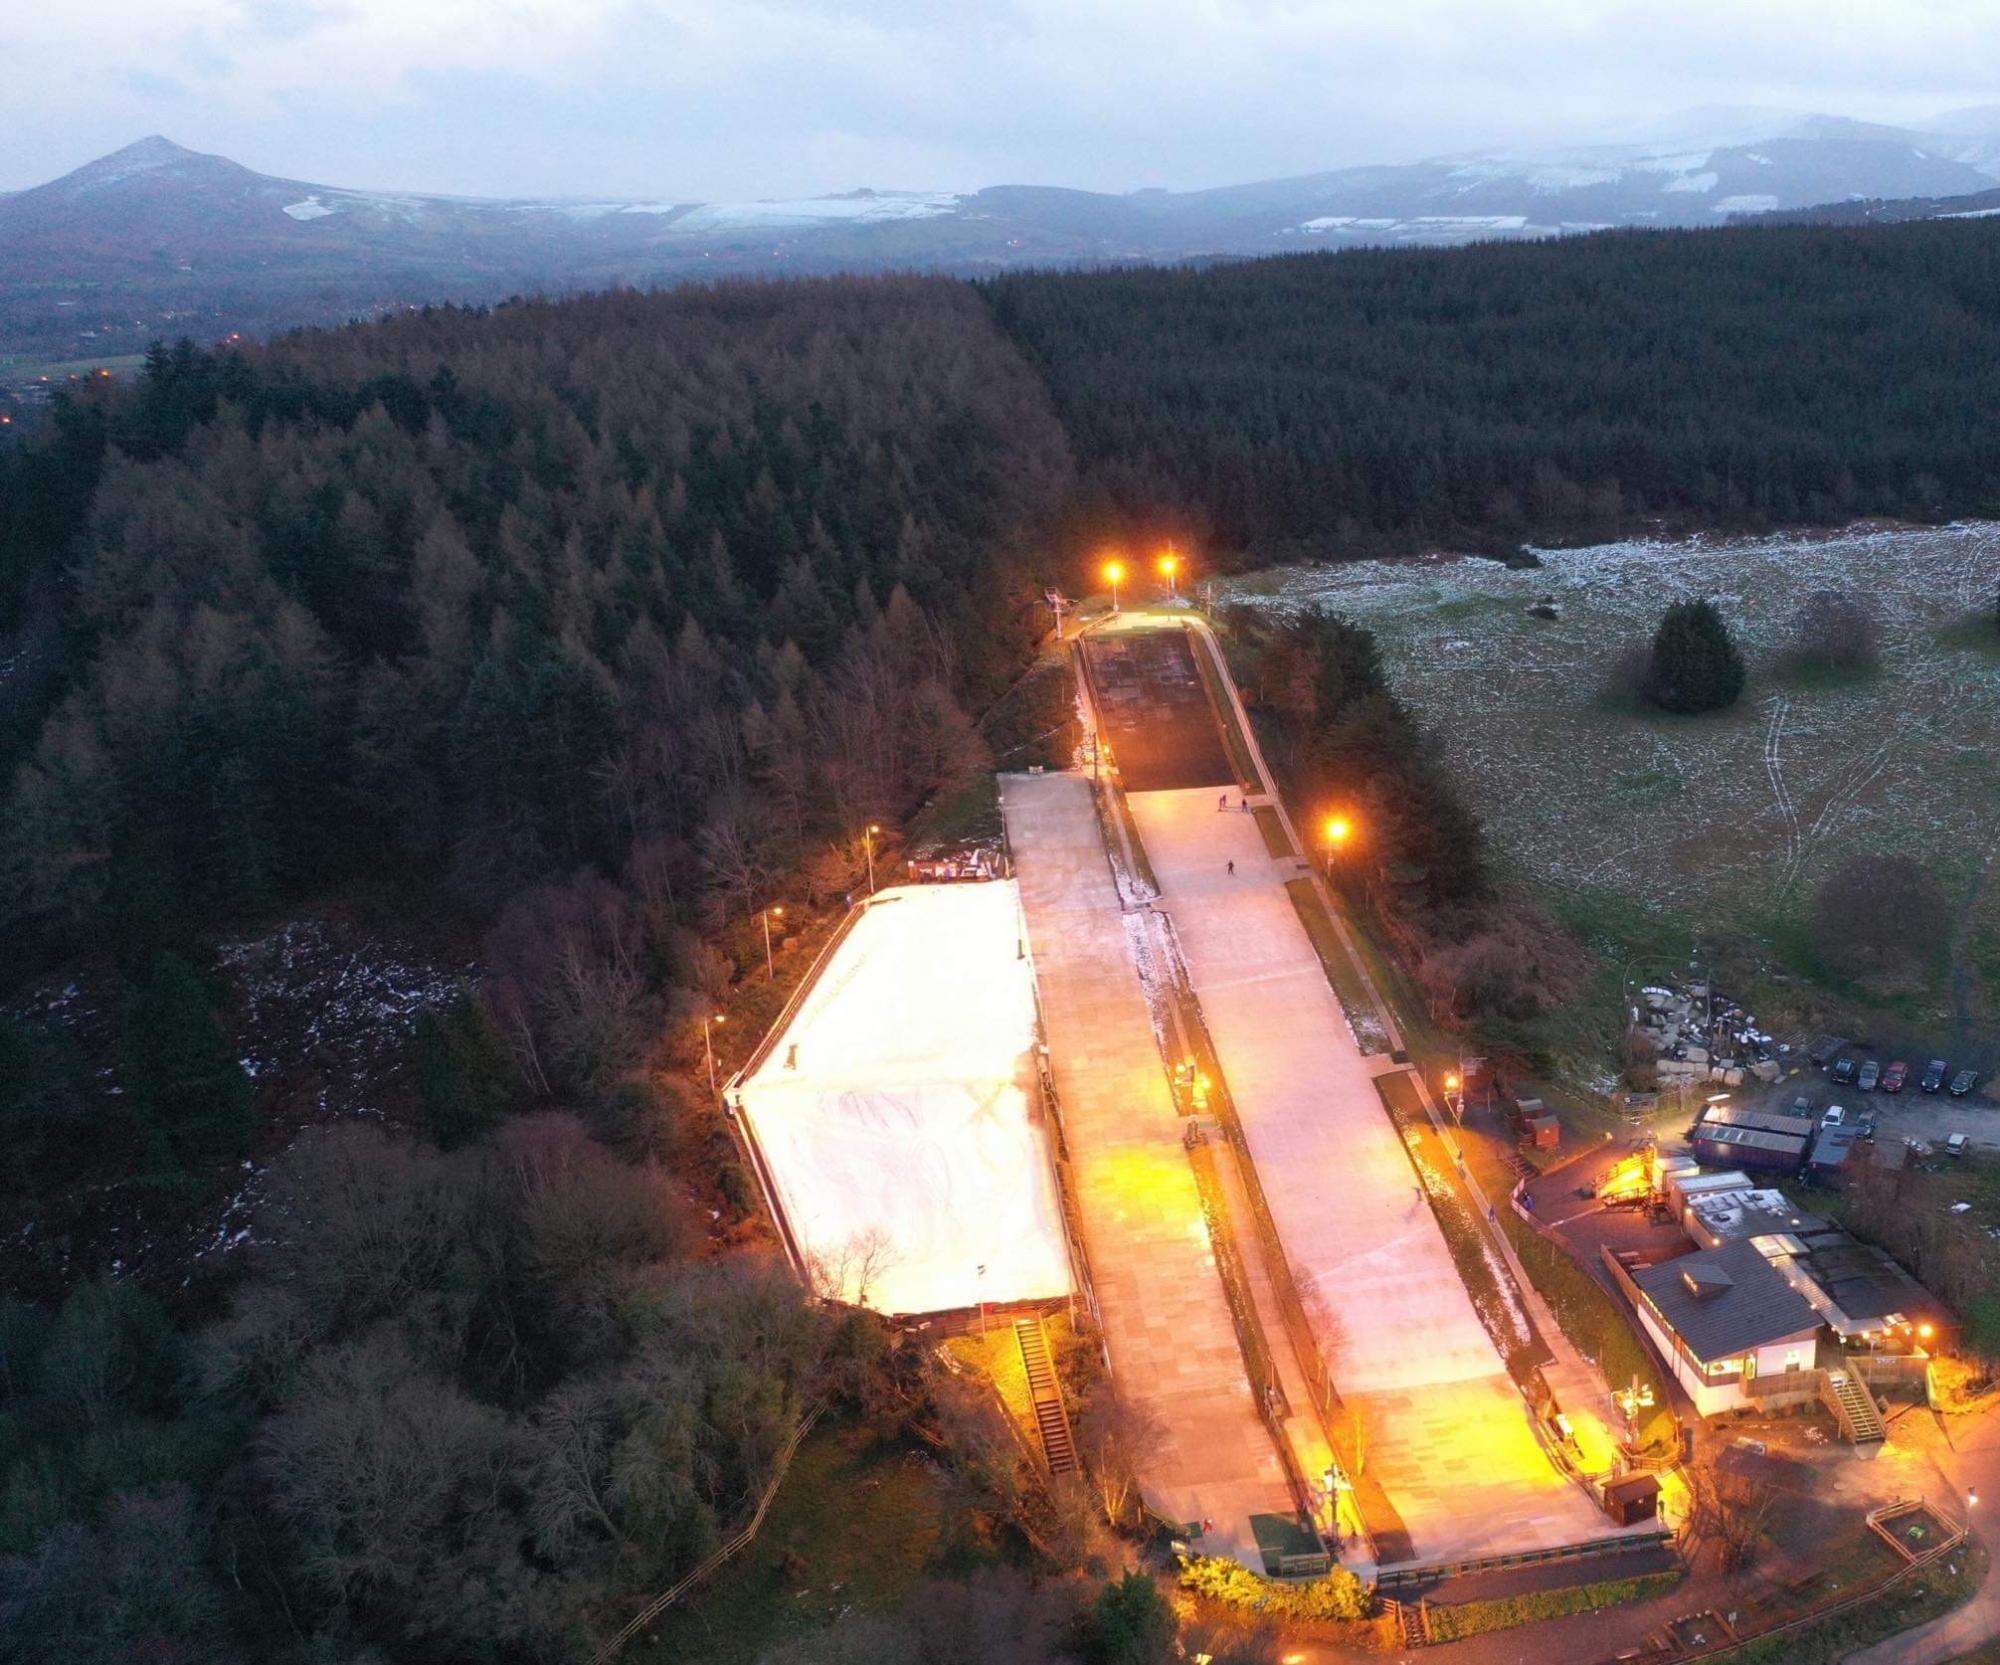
x: 1166, y: 1320
x: 1447, y: 1433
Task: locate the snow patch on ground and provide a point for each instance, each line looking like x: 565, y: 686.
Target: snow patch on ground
x: 311, y: 209
x: 1499, y: 1308
x: 1750, y: 202
x: 313, y: 1004
x: 862, y: 207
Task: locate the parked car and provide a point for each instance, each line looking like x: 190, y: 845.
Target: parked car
x: 1845, y: 1068
x: 1895, y: 1075
x: 1824, y: 1049
x: 1802, y: 1106
x: 1963, y: 1083
x: 1865, y: 1128
x: 1956, y: 1144
x: 1834, y: 1116
x: 1871, y: 1072
x: 1934, y: 1073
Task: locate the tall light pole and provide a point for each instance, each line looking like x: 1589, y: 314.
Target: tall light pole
x: 1170, y: 565
x: 708, y: 1045
x: 1114, y: 574
x: 868, y: 843
x: 770, y: 963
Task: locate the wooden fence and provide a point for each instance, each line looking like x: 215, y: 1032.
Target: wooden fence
x: 732, y: 1545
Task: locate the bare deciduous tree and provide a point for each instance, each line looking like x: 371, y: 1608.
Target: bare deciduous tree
x: 1838, y: 630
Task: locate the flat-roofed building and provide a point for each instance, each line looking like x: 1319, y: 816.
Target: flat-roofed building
x: 1752, y: 1139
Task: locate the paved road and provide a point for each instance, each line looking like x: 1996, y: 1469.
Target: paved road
x: 1166, y: 1319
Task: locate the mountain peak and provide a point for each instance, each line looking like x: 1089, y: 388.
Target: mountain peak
x: 152, y: 154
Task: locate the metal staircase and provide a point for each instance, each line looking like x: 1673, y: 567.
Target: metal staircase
x: 1051, y: 1419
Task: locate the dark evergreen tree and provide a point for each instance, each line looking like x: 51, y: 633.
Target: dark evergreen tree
x: 1131, y: 1623
x: 186, y: 1090
x: 464, y: 1076
x: 1696, y: 666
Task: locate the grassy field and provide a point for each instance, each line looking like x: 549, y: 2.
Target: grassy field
x: 1658, y: 836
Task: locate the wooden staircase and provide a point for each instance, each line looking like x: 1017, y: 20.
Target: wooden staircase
x: 1853, y: 1407
x: 1051, y: 1419
x: 1413, y: 1624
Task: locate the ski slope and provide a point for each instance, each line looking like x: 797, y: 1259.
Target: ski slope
x: 898, y: 1113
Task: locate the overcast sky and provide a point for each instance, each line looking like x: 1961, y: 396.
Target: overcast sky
x: 732, y: 98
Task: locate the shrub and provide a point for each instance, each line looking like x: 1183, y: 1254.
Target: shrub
x: 1876, y: 914
x: 1339, y: 1595
x: 1131, y: 1623
x: 1695, y: 665
x: 1474, y: 1618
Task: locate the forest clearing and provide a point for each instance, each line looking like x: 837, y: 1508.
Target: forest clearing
x: 1649, y: 830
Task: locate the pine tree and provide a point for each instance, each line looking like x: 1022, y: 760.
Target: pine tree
x: 1696, y: 666
x: 190, y: 1096
x: 464, y: 1076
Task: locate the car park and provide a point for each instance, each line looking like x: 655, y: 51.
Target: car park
x: 1934, y: 1073
x: 1871, y: 1072
x: 1895, y: 1076
x: 1845, y: 1068
x: 1963, y: 1083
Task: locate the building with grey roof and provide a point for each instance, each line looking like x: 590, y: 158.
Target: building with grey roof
x: 1723, y: 1317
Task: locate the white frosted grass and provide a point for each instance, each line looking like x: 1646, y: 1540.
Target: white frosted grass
x: 898, y: 1110
x: 1679, y: 814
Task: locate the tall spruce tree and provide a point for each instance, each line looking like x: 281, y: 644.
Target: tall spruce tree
x: 1695, y: 665
x: 188, y: 1092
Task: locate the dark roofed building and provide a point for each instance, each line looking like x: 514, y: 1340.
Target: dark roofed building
x: 1723, y: 1317
x: 1751, y: 1139
x: 1870, y: 1298
x: 1836, y: 1153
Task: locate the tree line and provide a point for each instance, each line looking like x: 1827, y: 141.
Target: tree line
x: 1369, y: 401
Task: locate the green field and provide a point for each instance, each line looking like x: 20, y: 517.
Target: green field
x: 1653, y: 834
x: 26, y: 369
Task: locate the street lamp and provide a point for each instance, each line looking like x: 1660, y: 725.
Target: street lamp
x: 1338, y: 831
x: 1114, y: 573
x: 868, y: 843
x: 708, y: 1045
x: 770, y: 964
x: 1170, y: 564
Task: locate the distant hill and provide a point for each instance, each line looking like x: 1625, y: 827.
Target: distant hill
x: 157, y: 240
x: 1978, y: 205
